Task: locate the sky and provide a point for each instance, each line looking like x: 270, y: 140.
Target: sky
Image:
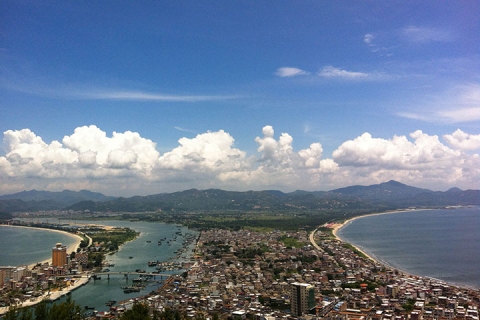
x: 136, y: 98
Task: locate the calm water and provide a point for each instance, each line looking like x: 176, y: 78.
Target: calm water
x: 96, y: 293
x: 25, y: 246
x: 442, y: 244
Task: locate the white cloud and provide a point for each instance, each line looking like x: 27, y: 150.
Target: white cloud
x: 463, y: 141
x: 146, y: 96
x: 127, y: 164
x: 398, y: 153
x: 290, y: 72
x: 332, y: 72
x: 368, y: 38
x: 211, y: 151
x: 458, y: 105
x: 122, y: 150
x: 425, y: 34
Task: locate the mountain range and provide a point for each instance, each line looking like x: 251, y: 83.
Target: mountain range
x: 387, y: 195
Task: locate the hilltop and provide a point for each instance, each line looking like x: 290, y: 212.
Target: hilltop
x: 387, y: 195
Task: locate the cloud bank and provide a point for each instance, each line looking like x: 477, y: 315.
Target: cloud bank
x: 129, y: 164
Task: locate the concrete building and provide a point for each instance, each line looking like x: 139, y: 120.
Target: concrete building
x: 302, y: 298
x: 59, y: 255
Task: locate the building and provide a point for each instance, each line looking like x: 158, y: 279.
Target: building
x: 302, y: 298
x: 59, y: 255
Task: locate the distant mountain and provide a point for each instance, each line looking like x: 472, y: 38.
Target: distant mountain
x: 5, y: 216
x: 391, y: 190
x: 383, y: 196
x: 34, y: 200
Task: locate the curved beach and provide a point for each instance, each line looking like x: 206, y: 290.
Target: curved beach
x: 70, y: 248
x: 337, y: 226
x: 423, y: 253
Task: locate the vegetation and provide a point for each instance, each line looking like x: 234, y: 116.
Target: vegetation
x: 113, y: 239
x: 409, y: 305
x: 62, y: 311
x: 355, y: 250
x: 5, y: 216
x: 292, y: 242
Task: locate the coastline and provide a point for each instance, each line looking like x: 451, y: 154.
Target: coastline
x: 70, y: 248
x: 336, y: 226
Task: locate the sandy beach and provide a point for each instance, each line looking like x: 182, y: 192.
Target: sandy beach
x: 57, y: 294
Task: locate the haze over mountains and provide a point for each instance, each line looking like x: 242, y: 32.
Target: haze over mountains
x: 388, y: 195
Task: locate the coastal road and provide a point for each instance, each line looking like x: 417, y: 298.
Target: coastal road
x: 312, y: 240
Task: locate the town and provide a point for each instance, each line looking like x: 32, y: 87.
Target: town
x: 287, y: 275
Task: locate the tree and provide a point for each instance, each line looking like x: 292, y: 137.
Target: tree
x: 26, y: 314
x: 67, y: 310
x: 41, y: 310
x: 11, y: 314
x: 139, y: 311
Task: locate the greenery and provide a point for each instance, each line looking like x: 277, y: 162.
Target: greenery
x: 292, y: 242
x: 62, y: 311
x: 355, y: 250
x: 114, y: 238
x: 409, y: 305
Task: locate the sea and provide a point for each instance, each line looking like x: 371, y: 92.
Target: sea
x: 26, y: 246
x: 441, y: 244
x: 131, y: 256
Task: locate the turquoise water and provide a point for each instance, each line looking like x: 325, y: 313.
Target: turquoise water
x: 442, y: 244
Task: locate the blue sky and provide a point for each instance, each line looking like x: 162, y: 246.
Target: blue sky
x: 127, y: 98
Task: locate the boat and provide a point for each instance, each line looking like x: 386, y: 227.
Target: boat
x: 131, y: 289
x: 149, y: 241
x: 110, y: 303
x: 89, y: 307
x: 130, y: 257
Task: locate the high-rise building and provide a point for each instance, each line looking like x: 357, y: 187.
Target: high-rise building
x: 302, y: 298
x: 59, y: 255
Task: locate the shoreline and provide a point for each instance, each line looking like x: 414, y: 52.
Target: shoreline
x: 339, y: 225
x: 70, y: 248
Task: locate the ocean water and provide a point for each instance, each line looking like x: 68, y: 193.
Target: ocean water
x: 25, y: 246
x: 442, y: 244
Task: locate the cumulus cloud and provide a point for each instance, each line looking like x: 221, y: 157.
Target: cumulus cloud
x: 88, y: 151
x: 332, y: 72
x: 462, y: 140
x: 127, y: 163
x: 290, y: 72
x: 211, y: 151
x: 396, y: 153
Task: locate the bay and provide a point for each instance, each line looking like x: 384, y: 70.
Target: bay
x: 26, y: 246
x: 131, y: 256
x: 442, y: 244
